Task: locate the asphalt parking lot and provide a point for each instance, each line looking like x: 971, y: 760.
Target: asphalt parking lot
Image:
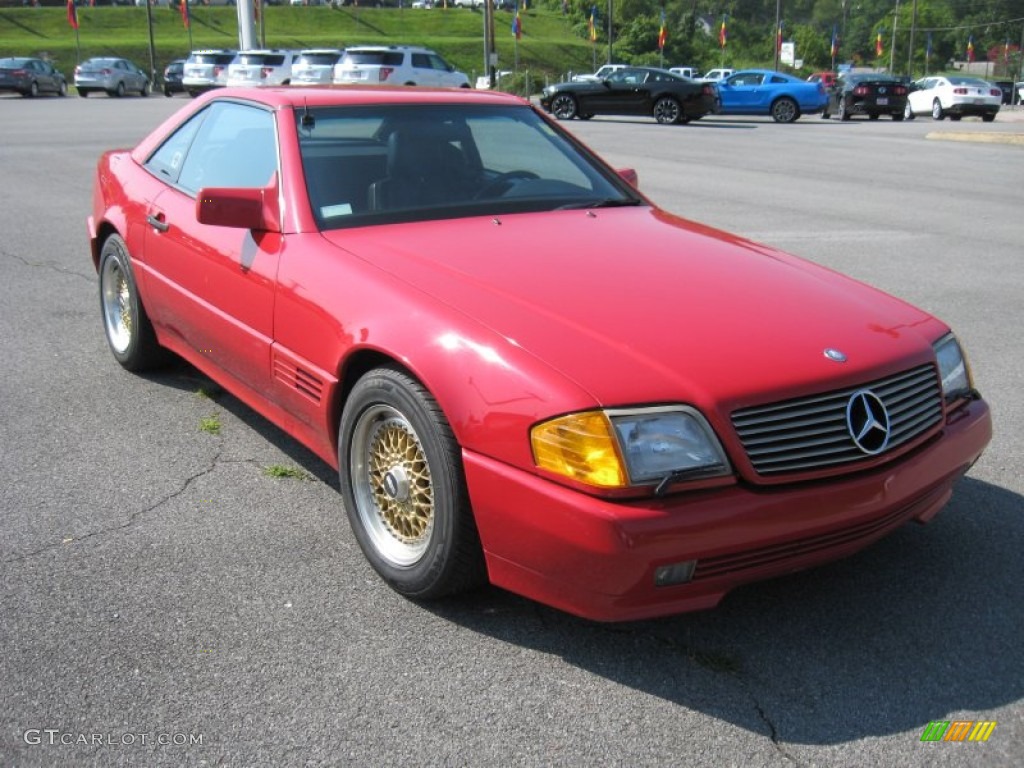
x: 166, y: 602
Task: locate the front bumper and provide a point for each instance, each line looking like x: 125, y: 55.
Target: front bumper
x: 597, y: 558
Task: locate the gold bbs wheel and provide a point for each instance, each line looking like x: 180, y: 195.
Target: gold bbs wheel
x: 394, y: 493
x: 125, y: 323
x: 401, y: 475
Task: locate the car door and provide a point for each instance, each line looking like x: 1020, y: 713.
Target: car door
x: 921, y: 97
x: 741, y: 92
x: 215, y: 284
x: 622, y: 92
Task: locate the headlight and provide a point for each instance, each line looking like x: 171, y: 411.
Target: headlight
x: 956, y: 376
x: 624, y: 448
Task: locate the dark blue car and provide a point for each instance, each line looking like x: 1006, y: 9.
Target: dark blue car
x: 764, y: 92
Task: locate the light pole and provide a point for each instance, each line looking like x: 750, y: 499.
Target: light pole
x: 892, y: 48
x: 910, y: 52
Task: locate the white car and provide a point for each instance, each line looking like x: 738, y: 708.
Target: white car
x: 259, y: 69
x: 954, y: 96
x: 316, y: 66
x: 714, y: 75
x: 690, y: 73
x: 600, y: 75
x: 397, y: 65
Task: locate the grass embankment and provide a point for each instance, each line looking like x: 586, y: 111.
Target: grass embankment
x: 548, y: 47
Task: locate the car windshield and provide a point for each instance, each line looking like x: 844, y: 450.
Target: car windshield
x: 387, y: 163
x: 211, y: 58
x: 318, y: 59
x: 389, y: 58
x: 973, y: 82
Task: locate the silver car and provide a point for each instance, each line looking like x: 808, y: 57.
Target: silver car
x: 115, y: 76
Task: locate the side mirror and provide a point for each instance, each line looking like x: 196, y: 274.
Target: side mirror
x: 630, y: 176
x: 242, y: 208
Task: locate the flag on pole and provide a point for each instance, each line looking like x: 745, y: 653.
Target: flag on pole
x: 879, y: 48
x: 1006, y: 50
x: 723, y: 34
x: 835, y: 42
x: 517, y: 24
x: 662, y: 32
x: 970, y: 49
x: 72, y: 14
x: 778, y: 39
x: 186, y: 14
x: 592, y: 25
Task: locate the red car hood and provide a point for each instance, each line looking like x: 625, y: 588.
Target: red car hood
x: 638, y: 306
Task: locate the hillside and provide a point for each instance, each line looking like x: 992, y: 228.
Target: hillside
x: 547, y: 48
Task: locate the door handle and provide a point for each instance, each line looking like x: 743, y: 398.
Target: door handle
x: 157, y: 222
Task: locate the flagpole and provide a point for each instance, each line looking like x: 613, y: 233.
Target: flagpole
x: 910, y: 52
x: 892, y: 48
x: 778, y: 32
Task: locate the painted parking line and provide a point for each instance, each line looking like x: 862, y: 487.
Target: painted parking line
x: 983, y: 138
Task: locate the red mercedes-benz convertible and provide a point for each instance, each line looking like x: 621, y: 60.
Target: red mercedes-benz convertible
x: 523, y: 370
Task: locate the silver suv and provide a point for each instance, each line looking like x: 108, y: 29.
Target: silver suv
x: 261, y: 68
x: 397, y: 65
x: 205, y: 70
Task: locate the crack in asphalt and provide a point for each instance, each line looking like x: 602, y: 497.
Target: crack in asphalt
x: 45, y: 265
x: 722, y: 664
x: 134, y: 516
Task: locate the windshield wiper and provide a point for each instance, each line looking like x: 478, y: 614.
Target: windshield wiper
x: 611, y: 202
x: 678, y: 475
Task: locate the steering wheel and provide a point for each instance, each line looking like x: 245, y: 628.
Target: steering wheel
x: 502, y: 183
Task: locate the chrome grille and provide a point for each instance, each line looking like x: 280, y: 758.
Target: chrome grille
x: 811, y: 433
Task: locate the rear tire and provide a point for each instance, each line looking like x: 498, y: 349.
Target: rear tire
x: 125, y: 322
x: 666, y: 111
x: 82, y: 92
x: 898, y: 117
x: 988, y: 118
x: 844, y: 115
x: 785, y: 110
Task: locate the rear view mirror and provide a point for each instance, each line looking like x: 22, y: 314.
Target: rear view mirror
x: 242, y: 208
x: 629, y: 175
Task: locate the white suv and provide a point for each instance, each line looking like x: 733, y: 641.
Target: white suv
x: 261, y: 68
x: 315, y: 67
x: 397, y: 65
x: 205, y: 70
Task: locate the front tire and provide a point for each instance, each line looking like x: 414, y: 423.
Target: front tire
x: 785, y: 110
x: 144, y: 90
x: 125, y: 322
x: 908, y: 112
x: 404, y: 487
x: 937, y: 111
x: 666, y: 111
x: 563, y: 106
x: 62, y: 89
x: 33, y: 90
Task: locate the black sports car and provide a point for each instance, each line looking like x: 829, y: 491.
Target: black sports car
x: 668, y: 98
x: 870, y: 94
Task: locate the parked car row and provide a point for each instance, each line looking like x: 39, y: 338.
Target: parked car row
x: 672, y: 98
x: 368, y: 65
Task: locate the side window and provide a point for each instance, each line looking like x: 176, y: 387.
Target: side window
x: 438, y: 63
x: 234, y: 146
x: 166, y: 162
x: 421, y: 61
x: 778, y: 80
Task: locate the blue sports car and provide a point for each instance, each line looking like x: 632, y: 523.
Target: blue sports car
x: 764, y: 92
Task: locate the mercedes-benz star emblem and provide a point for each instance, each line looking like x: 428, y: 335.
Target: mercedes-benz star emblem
x: 835, y: 355
x: 868, y: 421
